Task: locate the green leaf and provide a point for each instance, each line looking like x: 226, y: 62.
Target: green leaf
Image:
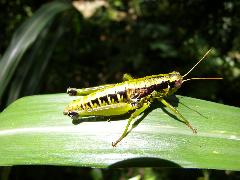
x: 28, y: 77
x: 23, y: 38
x: 33, y: 130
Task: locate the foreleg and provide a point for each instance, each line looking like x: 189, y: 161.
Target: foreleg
x: 174, y: 110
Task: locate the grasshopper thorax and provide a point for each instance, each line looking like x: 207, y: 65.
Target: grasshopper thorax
x: 164, y: 84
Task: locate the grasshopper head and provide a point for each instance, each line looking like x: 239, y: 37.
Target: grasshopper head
x: 175, y: 81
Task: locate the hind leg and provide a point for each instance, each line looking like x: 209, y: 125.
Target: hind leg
x: 85, y: 91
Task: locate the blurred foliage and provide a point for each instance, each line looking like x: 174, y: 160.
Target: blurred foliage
x: 47, y: 173
x: 140, y: 37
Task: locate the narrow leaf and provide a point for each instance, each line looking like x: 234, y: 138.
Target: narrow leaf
x: 24, y: 37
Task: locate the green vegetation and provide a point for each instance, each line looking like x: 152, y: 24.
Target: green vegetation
x: 45, y: 48
x: 158, y: 140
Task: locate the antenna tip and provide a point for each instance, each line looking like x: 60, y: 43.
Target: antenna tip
x: 208, y: 52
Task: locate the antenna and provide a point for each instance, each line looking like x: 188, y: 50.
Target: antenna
x: 202, y: 78
x: 198, y: 62
x: 214, y: 78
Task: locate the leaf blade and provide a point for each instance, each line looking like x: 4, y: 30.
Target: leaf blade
x: 34, y: 131
x: 22, y: 39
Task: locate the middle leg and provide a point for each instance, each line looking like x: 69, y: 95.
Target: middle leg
x: 133, y: 116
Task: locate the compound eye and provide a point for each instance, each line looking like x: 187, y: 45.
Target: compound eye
x: 178, y: 83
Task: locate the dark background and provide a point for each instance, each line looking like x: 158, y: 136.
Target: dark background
x: 143, y: 37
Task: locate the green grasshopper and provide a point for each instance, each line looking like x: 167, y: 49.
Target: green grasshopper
x: 132, y: 95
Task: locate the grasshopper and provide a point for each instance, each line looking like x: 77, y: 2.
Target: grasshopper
x: 132, y: 95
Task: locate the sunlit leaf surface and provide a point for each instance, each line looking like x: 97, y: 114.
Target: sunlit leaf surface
x: 33, y: 130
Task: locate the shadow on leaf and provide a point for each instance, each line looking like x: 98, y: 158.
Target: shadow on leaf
x: 145, y: 162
